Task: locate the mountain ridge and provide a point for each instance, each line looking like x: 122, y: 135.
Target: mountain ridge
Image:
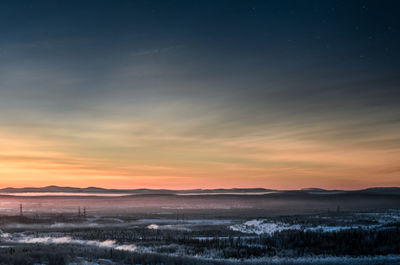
x: 94, y: 190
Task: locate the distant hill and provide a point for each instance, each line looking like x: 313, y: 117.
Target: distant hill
x: 382, y: 190
x: 312, y: 189
x: 94, y: 190
x: 97, y: 190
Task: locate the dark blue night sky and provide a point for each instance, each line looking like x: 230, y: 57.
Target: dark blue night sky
x: 263, y: 93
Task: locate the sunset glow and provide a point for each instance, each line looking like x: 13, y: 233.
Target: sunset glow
x: 101, y: 101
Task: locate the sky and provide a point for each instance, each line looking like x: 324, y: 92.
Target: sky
x: 200, y: 94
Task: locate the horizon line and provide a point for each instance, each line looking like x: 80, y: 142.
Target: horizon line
x: 190, y: 189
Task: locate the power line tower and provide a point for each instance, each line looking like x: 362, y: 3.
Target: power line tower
x: 20, y: 210
x: 79, y: 211
x: 84, y: 212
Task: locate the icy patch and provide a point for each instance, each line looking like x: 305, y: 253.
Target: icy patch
x: 177, y: 227
x: 72, y: 225
x: 264, y: 227
x: 260, y: 227
x: 153, y: 226
x: 326, y: 229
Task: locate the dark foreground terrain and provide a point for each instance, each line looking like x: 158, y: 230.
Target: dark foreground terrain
x: 293, y: 227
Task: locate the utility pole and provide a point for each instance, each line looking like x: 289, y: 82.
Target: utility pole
x: 79, y: 211
x: 20, y: 209
x: 84, y: 212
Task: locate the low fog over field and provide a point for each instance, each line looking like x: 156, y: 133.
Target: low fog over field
x: 226, y: 202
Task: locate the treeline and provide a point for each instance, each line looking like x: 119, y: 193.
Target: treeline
x: 63, y: 255
x: 297, y: 243
x: 172, y: 247
x: 288, y: 243
x: 66, y: 254
x: 352, y: 242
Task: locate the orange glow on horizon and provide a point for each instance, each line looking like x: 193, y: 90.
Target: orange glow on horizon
x: 173, y: 162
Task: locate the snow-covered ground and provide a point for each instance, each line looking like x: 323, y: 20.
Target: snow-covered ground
x: 261, y: 227
x: 324, y: 229
x: 329, y: 260
x: 49, y: 240
x: 329, y: 223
